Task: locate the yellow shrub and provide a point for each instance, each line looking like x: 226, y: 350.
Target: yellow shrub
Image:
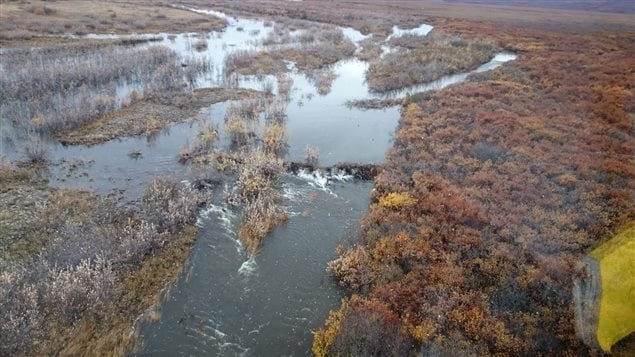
x: 420, y: 333
x: 275, y: 136
x: 323, y: 338
x: 397, y: 200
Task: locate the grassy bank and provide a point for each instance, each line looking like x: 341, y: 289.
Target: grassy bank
x: 426, y: 59
x: 24, y: 20
x: 77, y: 270
x: 492, y: 192
x: 115, y: 333
x: 150, y: 114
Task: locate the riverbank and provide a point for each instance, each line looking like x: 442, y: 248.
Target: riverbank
x: 62, y: 293
x: 493, y: 190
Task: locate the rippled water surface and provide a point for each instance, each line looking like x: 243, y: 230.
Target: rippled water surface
x: 228, y: 304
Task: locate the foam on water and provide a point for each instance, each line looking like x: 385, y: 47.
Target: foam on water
x: 223, y: 213
x: 314, y: 178
x: 248, y: 267
x: 293, y: 192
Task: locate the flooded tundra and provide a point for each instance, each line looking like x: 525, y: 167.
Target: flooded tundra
x: 223, y: 112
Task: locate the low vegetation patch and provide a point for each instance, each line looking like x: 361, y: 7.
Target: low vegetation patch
x: 76, y: 268
x: 251, y: 62
x: 150, y: 114
x: 492, y: 192
x: 310, y: 52
x: 23, y: 20
x: 429, y: 58
x: 257, y: 189
x: 373, y: 103
x: 361, y: 327
x: 61, y: 87
x: 315, y: 56
x: 370, y: 49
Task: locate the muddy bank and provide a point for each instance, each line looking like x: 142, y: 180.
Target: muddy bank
x: 149, y: 115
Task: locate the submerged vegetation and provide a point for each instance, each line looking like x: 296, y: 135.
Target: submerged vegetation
x: 56, y: 88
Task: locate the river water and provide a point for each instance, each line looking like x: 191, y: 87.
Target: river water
x: 226, y: 303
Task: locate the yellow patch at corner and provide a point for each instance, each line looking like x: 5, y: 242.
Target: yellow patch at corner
x: 616, y: 259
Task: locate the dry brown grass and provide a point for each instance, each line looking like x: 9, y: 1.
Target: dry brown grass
x: 149, y: 115
x: 257, y: 189
x: 260, y: 216
x: 275, y: 136
x: 254, y: 63
x: 23, y: 20
x: 371, y: 49
x: 435, y: 56
x: 378, y: 16
x: 142, y: 289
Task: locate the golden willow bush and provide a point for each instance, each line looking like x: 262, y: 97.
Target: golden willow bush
x: 257, y: 184
x: 493, y: 191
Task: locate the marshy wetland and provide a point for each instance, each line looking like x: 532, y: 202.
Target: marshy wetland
x: 212, y: 180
